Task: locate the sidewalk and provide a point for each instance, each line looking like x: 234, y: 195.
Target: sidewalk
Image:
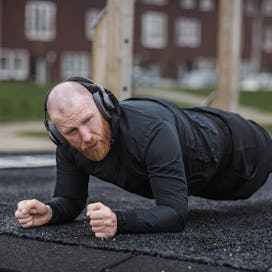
x: 11, y: 139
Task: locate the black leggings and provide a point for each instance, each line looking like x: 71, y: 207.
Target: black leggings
x: 245, y: 167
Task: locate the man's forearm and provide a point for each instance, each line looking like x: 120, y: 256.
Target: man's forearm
x: 65, y: 209
x: 157, y: 219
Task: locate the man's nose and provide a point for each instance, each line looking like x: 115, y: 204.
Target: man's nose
x: 86, y: 135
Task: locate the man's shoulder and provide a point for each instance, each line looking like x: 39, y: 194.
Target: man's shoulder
x: 148, y: 106
x: 145, y: 100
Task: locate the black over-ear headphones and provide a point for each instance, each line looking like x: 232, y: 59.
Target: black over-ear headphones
x: 101, y: 97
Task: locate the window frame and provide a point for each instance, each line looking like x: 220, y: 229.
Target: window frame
x: 11, y: 72
x: 181, y: 32
x: 155, y: 2
x: 207, y: 5
x: 40, y: 20
x: 187, y: 4
x: 77, y: 61
x: 149, y: 31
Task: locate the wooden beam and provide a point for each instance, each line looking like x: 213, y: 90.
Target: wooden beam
x: 99, y: 49
x: 228, y: 55
x: 113, y: 48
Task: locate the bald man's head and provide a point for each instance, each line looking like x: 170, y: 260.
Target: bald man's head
x: 76, y: 117
x: 65, y: 96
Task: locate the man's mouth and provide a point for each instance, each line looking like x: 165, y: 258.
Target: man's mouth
x: 90, y: 147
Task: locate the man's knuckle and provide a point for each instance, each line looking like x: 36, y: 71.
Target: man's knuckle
x: 109, y: 213
x: 34, y: 201
x: 21, y: 204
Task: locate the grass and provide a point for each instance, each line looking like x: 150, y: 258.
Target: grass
x: 24, y: 102
x: 36, y: 134
x: 21, y: 101
x: 268, y: 128
x: 198, y: 92
x: 260, y: 100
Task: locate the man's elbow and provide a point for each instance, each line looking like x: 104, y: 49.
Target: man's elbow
x: 175, y: 221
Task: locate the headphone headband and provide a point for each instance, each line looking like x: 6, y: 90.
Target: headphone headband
x: 101, y: 97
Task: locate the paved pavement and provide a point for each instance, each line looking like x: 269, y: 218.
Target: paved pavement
x: 12, y: 138
x: 30, y: 160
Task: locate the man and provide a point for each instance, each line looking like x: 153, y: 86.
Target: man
x: 149, y: 147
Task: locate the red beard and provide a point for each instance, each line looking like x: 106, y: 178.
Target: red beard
x: 98, y: 148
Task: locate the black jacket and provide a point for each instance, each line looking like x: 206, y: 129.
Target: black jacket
x: 158, y: 151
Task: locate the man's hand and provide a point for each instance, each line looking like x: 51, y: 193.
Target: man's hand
x: 102, y: 219
x: 33, y: 213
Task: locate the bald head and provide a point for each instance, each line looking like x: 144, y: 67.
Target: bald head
x: 65, y: 96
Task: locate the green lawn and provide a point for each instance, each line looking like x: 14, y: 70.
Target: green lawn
x: 36, y: 134
x: 261, y: 100
x: 199, y: 92
x: 268, y: 127
x: 21, y: 101
x: 24, y: 101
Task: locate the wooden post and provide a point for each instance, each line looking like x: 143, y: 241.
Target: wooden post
x: 1, y: 24
x: 113, y: 48
x: 99, y: 47
x: 257, y: 37
x: 228, y: 55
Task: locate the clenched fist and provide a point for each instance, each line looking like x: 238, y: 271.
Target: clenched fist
x: 102, y: 220
x: 33, y: 213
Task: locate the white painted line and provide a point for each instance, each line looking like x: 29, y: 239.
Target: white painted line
x: 22, y: 161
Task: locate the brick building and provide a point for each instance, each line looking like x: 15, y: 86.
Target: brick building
x: 50, y: 40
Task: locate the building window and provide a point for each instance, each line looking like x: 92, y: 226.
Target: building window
x: 268, y: 40
x: 206, y: 5
x: 188, y: 4
x: 91, y: 16
x: 267, y: 7
x: 249, y: 6
x: 20, y: 64
x: 155, y: 2
x: 188, y: 32
x: 73, y: 63
x: 4, y: 64
x: 40, y: 20
x: 14, y: 64
x: 154, y: 30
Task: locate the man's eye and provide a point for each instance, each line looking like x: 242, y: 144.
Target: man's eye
x: 88, y: 120
x: 71, y: 131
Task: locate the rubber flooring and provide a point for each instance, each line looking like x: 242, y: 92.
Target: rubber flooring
x: 220, y: 236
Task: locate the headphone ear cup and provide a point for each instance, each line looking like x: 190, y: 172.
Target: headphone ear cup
x: 55, y: 135
x: 107, y: 101
x: 100, y: 104
x: 106, y: 97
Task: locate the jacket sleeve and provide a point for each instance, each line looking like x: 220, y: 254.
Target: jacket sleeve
x: 164, y: 164
x: 71, y: 189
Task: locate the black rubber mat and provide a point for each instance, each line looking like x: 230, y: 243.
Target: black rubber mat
x: 237, y: 234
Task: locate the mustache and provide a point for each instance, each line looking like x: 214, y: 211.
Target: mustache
x: 92, y: 142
